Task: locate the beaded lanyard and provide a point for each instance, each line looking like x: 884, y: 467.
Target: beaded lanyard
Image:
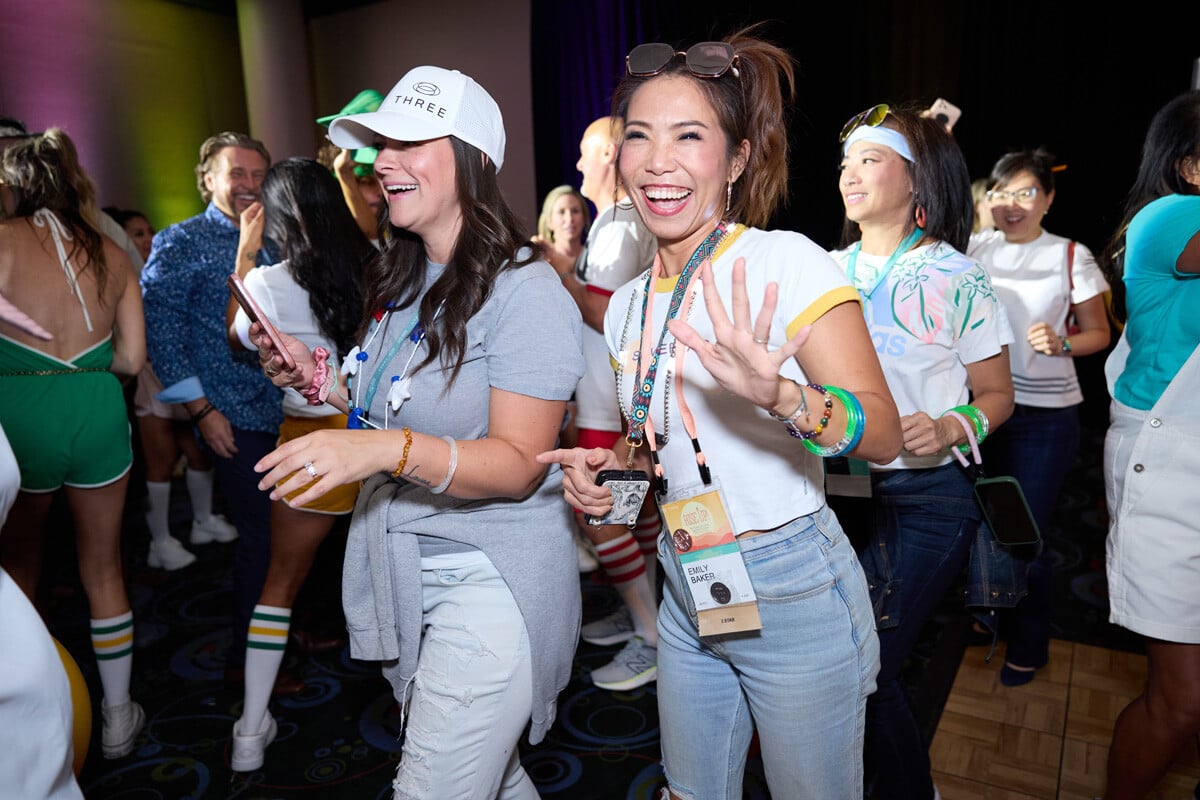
x: 901, y: 249
x: 414, y: 332
x: 639, y: 410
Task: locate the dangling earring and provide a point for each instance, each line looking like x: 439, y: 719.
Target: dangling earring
x: 921, y: 217
x: 728, y: 195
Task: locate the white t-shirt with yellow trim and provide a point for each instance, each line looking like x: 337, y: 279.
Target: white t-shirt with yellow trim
x: 767, y: 477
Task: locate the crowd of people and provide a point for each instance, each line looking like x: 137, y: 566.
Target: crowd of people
x: 680, y: 402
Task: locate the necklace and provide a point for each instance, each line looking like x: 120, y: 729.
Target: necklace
x: 639, y: 408
x: 901, y: 249
x: 399, y: 390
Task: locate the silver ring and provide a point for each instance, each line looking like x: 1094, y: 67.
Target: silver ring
x: 310, y: 469
x: 760, y: 341
x: 270, y: 370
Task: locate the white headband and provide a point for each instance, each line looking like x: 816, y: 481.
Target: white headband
x: 880, y: 135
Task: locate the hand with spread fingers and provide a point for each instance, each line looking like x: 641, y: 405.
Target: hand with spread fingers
x: 740, y: 359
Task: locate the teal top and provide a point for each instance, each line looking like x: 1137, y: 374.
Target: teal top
x: 1163, y: 327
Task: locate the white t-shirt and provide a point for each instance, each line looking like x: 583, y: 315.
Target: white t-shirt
x: 1034, y: 285
x: 934, y: 313
x: 286, y: 304
x: 619, y: 248
x: 767, y: 477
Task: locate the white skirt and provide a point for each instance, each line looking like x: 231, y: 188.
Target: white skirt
x: 1151, y: 469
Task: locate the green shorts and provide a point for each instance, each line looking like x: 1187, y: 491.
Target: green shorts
x: 69, y: 427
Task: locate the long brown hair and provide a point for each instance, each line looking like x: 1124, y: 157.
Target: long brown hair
x: 43, y: 171
x: 487, y: 244
x: 750, y: 105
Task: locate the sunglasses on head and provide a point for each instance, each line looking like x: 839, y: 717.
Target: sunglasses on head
x: 704, y: 60
x: 872, y: 117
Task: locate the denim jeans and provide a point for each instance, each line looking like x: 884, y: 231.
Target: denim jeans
x: 801, y: 682
x: 924, y: 524
x: 1035, y: 446
x: 472, y: 695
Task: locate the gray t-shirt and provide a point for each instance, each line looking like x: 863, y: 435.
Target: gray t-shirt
x: 525, y: 339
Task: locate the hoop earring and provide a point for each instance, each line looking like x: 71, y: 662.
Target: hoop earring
x: 728, y: 195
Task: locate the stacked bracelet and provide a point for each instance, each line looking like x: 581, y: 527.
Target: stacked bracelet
x: 441, y: 487
x: 978, y: 420
x: 790, y: 422
x: 202, y: 413
x: 856, y: 421
x: 399, y: 470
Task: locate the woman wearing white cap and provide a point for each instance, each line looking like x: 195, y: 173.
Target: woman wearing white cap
x: 459, y: 572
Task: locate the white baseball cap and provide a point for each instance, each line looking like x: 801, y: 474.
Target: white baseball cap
x: 429, y: 103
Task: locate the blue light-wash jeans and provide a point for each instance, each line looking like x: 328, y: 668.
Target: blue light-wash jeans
x: 801, y: 682
x: 924, y: 524
x: 472, y: 695
x: 1035, y: 446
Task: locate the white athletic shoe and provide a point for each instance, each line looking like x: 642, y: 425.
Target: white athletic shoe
x: 121, y: 727
x: 214, y: 529
x: 169, y: 554
x: 248, y: 749
x: 617, y: 627
x: 635, y: 665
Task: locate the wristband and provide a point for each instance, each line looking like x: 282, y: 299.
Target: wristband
x: 855, y: 424
x: 202, y: 413
x: 1066, y: 346
x: 804, y: 436
x: 399, y: 470
x: 441, y: 487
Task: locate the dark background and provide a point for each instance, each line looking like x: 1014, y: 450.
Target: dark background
x: 1079, y: 79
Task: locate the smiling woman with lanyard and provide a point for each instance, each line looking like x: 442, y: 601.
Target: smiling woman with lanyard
x: 941, y: 338
x: 460, y: 569
x: 765, y: 623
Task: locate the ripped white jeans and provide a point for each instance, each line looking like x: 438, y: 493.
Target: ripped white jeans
x: 472, y: 695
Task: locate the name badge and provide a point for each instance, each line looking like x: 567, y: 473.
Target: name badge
x: 702, y: 539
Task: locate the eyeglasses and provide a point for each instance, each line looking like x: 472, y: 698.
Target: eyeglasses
x: 704, y: 60
x: 872, y: 117
x: 1018, y: 196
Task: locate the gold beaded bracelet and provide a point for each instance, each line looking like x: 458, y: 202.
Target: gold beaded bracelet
x: 399, y: 470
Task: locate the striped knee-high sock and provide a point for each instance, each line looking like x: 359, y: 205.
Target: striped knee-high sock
x: 112, y: 641
x: 625, y: 566
x: 266, y: 640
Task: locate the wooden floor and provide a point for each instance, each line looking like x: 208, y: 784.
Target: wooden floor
x: 1047, y: 739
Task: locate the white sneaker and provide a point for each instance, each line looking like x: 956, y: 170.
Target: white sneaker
x: 122, y: 724
x: 636, y: 665
x: 617, y: 627
x: 169, y: 554
x: 248, y: 749
x: 585, y: 554
x: 214, y: 529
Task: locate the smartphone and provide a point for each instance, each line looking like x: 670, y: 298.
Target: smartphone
x: 1005, y: 510
x: 945, y: 112
x: 629, y: 489
x: 246, y: 301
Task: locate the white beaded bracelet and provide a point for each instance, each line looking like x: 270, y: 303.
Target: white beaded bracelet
x: 441, y: 487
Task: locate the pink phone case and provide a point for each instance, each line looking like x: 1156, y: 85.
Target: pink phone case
x: 248, y: 304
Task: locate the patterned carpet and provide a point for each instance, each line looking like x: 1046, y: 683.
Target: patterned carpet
x: 339, y: 737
